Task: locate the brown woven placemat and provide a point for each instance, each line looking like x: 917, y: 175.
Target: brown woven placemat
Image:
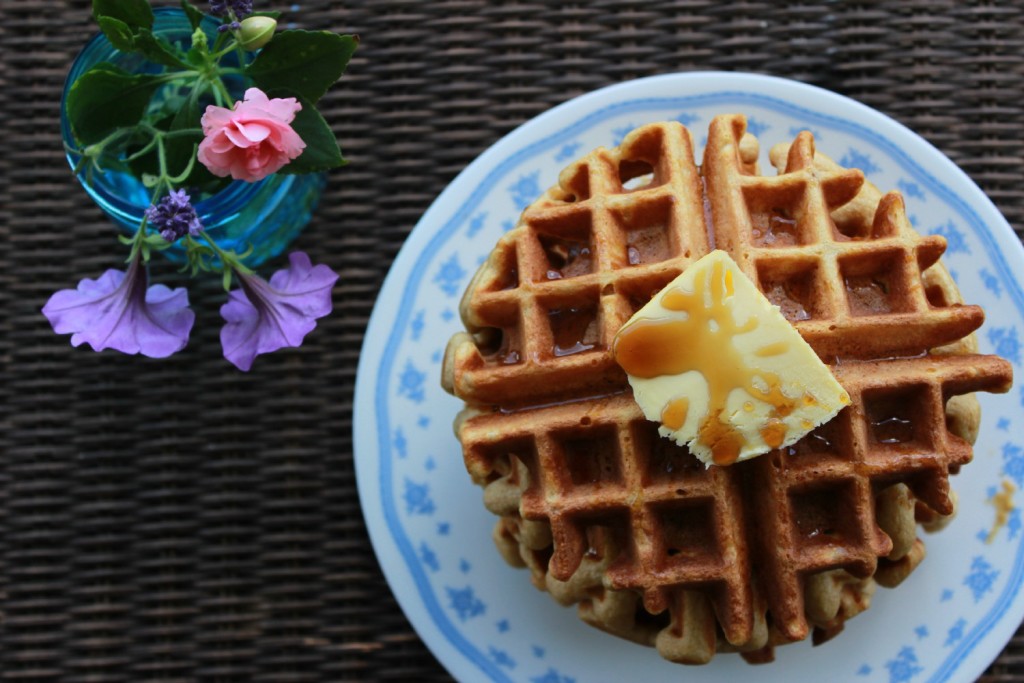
x: 178, y: 520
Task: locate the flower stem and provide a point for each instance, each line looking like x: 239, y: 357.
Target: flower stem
x: 90, y: 154
x: 163, y: 183
x: 177, y: 76
x: 218, y: 42
x: 216, y: 56
x: 96, y: 148
x: 229, y: 260
x: 222, y: 91
x: 145, y: 149
x: 161, y: 154
x: 139, y: 239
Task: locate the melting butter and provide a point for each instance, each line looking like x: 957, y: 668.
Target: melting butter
x: 712, y: 360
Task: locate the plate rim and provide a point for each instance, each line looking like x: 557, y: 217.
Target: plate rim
x: 412, y: 255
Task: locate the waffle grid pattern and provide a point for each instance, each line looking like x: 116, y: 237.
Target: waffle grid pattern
x: 554, y: 296
x: 592, y: 463
x: 853, y: 290
x: 588, y: 477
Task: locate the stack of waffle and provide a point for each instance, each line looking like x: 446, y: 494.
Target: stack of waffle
x: 608, y: 515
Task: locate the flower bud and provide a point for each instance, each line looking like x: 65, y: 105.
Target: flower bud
x: 257, y: 32
x: 199, y: 39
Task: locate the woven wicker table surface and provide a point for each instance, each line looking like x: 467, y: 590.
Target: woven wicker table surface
x: 180, y: 520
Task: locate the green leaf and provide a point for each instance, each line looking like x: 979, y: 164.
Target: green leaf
x: 158, y: 50
x: 105, y: 98
x: 273, y: 14
x: 118, y: 33
x: 134, y: 13
x: 155, y: 241
x: 195, y: 16
x: 181, y: 148
x: 322, y: 151
x: 188, y: 114
x: 303, y: 62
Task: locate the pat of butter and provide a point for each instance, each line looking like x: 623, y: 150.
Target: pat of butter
x: 713, y: 361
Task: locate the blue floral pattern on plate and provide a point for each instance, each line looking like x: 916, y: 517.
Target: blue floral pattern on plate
x: 483, y: 619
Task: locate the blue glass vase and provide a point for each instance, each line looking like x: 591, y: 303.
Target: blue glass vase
x: 265, y: 215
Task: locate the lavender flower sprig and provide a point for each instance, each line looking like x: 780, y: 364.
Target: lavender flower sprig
x: 174, y: 216
x: 232, y: 11
x: 223, y: 8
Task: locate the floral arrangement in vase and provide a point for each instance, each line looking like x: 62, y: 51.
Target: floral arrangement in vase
x: 234, y: 102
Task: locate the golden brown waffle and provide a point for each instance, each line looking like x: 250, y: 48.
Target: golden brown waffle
x: 629, y: 526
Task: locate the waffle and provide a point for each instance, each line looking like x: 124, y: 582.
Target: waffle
x: 630, y: 527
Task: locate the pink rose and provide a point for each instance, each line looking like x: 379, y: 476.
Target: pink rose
x: 253, y: 140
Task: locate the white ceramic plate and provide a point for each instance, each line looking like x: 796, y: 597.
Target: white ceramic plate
x: 482, y: 619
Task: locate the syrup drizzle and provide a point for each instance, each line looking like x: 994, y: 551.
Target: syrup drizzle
x: 702, y: 342
x: 674, y: 415
x: 774, y: 433
x: 1003, y: 503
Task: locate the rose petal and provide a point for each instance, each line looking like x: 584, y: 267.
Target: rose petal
x: 215, y: 117
x: 283, y: 108
x: 254, y: 131
x: 221, y: 143
x: 253, y: 140
x: 237, y: 137
x: 253, y: 96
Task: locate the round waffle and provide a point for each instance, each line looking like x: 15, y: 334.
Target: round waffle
x: 608, y: 515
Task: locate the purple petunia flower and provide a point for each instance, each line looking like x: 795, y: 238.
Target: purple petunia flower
x: 242, y: 8
x: 174, y: 216
x: 262, y: 317
x: 118, y: 311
